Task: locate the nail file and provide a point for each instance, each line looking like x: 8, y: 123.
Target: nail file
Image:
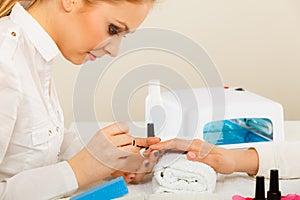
x: 110, y: 190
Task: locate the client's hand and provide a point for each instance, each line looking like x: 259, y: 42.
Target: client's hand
x: 146, y: 168
x: 222, y: 160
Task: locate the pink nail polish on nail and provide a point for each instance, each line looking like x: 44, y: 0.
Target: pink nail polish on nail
x: 192, y: 154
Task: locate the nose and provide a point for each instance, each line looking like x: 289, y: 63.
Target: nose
x: 113, y: 47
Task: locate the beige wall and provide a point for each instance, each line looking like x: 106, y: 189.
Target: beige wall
x: 254, y: 43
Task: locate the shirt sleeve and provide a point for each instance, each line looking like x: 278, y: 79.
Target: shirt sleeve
x: 50, y: 182
x: 11, y: 96
x: 71, y: 145
x: 282, y: 156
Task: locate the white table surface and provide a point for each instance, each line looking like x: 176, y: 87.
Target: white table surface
x: 227, y: 185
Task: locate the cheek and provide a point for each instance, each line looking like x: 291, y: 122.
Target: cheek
x: 83, y: 33
x: 93, y: 31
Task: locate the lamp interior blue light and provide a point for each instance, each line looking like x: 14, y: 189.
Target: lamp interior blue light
x: 237, y: 131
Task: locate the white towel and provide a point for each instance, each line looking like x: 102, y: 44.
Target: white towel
x: 174, y: 173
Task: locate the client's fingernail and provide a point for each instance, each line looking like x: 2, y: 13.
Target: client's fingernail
x: 147, y: 164
x: 155, y: 153
x: 161, y: 151
x: 192, y: 154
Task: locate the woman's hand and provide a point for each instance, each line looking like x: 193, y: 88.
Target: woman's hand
x: 108, y: 151
x: 222, y: 160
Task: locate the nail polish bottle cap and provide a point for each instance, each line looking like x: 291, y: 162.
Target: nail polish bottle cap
x: 274, y: 193
x: 150, y: 130
x: 260, y: 188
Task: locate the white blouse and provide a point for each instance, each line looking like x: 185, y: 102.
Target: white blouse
x: 283, y: 156
x: 33, y: 142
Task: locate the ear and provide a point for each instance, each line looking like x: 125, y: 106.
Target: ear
x: 68, y: 5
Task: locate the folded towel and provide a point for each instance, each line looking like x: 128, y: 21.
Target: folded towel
x: 174, y: 173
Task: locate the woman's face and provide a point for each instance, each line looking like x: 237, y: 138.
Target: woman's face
x: 88, y: 31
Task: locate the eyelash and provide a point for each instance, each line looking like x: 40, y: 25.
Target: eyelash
x: 113, y: 29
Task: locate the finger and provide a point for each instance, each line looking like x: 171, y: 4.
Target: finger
x: 150, y: 162
x: 152, y: 140
x: 200, y: 150
x: 197, y: 146
x: 138, y: 178
x: 174, y: 144
x: 144, y: 169
x: 192, y: 156
x: 145, y: 152
x: 205, y: 149
x: 195, y: 156
x: 146, y: 142
x: 122, y: 140
x: 153, y: 159
x: 116, y: 128
x: 129, y: 178
x: 148, y: 151
x: 163, y: 145
x: 131, y: 149
x: 118, y: 174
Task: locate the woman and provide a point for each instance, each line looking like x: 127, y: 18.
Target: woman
x: 38, y: 159
x: 254, y: 161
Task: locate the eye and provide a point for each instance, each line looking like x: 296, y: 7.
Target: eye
x: 113, y: 30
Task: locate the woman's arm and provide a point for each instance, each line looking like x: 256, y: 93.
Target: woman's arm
x: 49, y: 182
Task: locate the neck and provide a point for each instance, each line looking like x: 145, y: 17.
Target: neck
x: 40, y: 12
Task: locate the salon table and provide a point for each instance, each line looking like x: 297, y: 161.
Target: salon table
x: 227, y: 185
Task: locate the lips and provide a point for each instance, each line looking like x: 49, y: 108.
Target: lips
x: 92, y: 57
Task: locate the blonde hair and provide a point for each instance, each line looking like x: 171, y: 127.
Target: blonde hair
x: 7, y: 5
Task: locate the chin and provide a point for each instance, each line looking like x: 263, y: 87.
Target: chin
x: 76, y: 60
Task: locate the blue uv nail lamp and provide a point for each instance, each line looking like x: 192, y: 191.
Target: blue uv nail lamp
x: 228, y: 117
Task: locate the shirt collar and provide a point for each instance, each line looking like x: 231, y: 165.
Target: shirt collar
x: 35, y: 32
